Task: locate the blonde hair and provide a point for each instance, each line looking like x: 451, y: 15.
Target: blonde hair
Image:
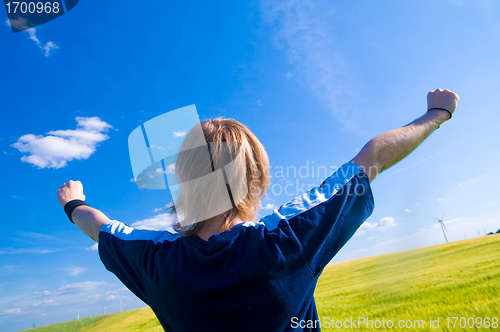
x: 229, y: 141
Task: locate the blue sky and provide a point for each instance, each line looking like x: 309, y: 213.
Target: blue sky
x: 313, y: 81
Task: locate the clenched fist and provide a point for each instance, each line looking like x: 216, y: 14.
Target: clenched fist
x: 442, y: 99
x: 70, y: 191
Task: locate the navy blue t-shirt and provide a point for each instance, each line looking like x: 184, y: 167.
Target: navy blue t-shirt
x: 254, y: 277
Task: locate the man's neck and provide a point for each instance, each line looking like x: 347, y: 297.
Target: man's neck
x: 215, y: 225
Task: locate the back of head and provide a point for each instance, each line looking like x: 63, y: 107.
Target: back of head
x: 234, y: 157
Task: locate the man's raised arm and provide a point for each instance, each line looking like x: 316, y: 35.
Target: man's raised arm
x: 387, y: 149
x: 88, y: 219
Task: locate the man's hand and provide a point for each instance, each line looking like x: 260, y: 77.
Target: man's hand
x: 442, y: 99
x: 386, y: 149
x: 70, y: 191
x: 88, y: 219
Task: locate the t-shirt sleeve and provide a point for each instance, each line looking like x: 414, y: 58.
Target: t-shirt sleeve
x: 129, y: 254
x: 326, y: 217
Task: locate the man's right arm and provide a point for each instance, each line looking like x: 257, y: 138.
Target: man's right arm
x: 387, y: 149
x: 88, y: 219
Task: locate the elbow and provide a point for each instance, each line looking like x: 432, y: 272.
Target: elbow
x: 369, y: 160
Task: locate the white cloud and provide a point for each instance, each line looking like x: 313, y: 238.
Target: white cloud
x: 268, y: 206
x: 61, y: 146
x: 441, y: 199
x: 159, y: 209
x: 180, y: 133
x: 95, y: 246
x: 288, y: 76
x: 382, y: 225
x: 386, y: 223
x: 49, y: 46
x: 74, y: 271
x: 163, y: 221
x: 407, y: 210
x: 22, y: 24
x: 33, y: 37
x: 169, y: 170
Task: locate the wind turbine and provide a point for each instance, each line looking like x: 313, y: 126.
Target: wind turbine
x: 443, y: 227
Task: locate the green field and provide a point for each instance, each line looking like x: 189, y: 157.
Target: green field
x: 458, y: 279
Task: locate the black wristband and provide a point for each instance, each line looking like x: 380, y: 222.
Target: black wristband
x: 71, y: 205
x: 437, y: 108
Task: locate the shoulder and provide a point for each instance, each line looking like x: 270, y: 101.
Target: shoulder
x: 335, y: 185
x: 119, y: 230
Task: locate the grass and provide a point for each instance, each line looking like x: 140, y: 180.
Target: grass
x: 142, y: 319
x: 71, y: 326
x: 458, y: 279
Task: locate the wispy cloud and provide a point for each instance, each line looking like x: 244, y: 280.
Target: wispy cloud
x: 47, y: 303
x: 110, y: 295
x: 11, y: 251
x: 72, y: 288
x: 13, y: 311
x: 38, y: 236
x: 8, y: 267
x: 414, y: 164
x: 306, y: 31
x: 21, y: 23
x: 435, y: 226
x: 74, y: 271
x: 454, y: 220
x: 487, y: 6
x: 61, y: 146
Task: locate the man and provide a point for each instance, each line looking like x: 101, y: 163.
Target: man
x: 233, y: 273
